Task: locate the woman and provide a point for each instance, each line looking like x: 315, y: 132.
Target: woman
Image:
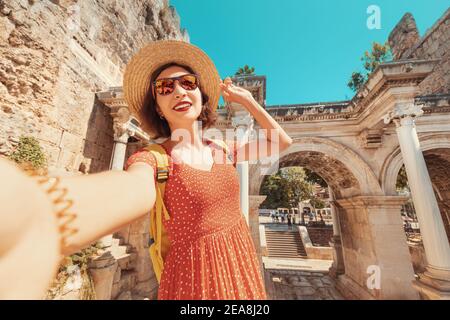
x: 170, y: 86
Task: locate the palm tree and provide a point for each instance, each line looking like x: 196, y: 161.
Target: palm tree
x: 246, y: 70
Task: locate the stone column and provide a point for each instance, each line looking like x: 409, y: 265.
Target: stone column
x: 243, y: 124
x: 334, y: 215
x: 119, y: 151
x: 435, y: 282
x: 121, y: 116
x: 337, y: 267
x: 102, y: 270
x: 255, y: 202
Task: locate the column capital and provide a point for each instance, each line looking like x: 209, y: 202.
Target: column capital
x: 243, y: 122
x: 121, y: 115
x: 403, y: 112
x: 242, y: 118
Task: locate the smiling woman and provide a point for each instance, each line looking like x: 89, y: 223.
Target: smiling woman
x: 211, y: 254
x: 152, y: 111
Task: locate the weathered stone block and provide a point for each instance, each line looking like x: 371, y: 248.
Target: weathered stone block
x: 71, y: 142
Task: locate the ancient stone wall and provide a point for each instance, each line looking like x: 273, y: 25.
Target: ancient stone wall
x: 55, y: 55
x: 357, y: 244
x: 435, y: 44
x: 320, y: 236
x: 404, y: 36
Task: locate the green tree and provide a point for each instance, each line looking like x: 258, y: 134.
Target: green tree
x: 379, y: 53
x: 356, y: 81
x: 316, y: 202
x: 402, y: 180
x: 314, y: 178
x: 246, y: 70
x: 286, y: 188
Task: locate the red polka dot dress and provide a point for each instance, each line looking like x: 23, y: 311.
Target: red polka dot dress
x: 212, y: 255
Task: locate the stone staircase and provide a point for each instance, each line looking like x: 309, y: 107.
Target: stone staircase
x: 284, y: 244
x: 125, y: 278
x: 122, y: 253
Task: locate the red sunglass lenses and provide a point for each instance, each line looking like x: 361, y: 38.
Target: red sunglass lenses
x: 188, y: 82
x: 166, y: 86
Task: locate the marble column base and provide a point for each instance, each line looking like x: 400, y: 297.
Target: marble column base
x: 433, y: 284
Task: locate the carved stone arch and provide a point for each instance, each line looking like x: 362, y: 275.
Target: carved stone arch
x: 345, y: 171
x: 394, y: 161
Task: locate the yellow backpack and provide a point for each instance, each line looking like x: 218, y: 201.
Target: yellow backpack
x: 161, y: 243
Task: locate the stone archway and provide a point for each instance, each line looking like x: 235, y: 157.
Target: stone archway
x: 438, y: 164
x: 369, y: 221
x: 394, y: 161
x: 346, y: 173
x: 436, y: 151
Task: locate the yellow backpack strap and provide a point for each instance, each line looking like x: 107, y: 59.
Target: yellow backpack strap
x: 161, y: 244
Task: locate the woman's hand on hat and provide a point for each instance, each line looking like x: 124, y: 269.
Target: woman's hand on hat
x: 232, y: 93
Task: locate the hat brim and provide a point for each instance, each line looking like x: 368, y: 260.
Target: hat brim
x: 136, y: 82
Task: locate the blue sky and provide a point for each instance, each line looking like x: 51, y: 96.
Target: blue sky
x: 307, y: 49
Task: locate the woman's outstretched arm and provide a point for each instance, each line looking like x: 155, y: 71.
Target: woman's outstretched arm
x: 103, y: 202
x: 106, y: 202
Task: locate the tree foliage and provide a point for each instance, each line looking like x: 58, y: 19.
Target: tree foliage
x: 316, y: 202
x: 246, y: 70
x: 379, y: 53
x: 314, y: 178
x: 286, y: 188
x: 356, y: 81
x: 402, y: 180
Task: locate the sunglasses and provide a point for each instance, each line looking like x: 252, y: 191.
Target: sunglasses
x: 166, y: 86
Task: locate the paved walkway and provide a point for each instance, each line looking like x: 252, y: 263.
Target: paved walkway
x: 298, y: 279
x: 300, y: 285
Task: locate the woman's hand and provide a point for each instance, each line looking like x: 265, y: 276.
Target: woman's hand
x: 29, y: 233
x: 232, y: 93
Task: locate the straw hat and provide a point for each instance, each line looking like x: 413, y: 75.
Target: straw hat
x: 136, y: 83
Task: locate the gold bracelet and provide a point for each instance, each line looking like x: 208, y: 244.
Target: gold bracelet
x: 61, y: 205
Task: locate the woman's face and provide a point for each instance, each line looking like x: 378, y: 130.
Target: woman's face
x: 186, y: 98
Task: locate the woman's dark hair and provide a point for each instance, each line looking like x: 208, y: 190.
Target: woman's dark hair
x: 159, y: 126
